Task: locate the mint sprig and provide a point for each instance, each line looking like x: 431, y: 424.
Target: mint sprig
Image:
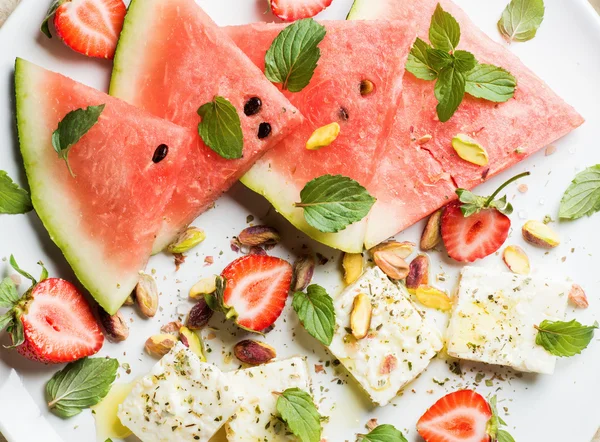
x: 495, y: 424
x: 80, y: 385
x: 299, y: 412
x: 293, y: 56
x: 564, y: 339
x: 333, y: 202
x: 13, y: 199
x: 383, y: 433
x: 221, y: 128
x: 582, y: 198
x: 521, y: 20
x: 72, y: 128
x: 316, y: 312
x: 472, y: 204
x: 455, y: 71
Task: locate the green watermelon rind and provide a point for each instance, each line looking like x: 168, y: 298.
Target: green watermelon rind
x: 366, y: 9
x: 27, y: 133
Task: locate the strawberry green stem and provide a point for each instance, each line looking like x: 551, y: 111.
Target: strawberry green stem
x: 512, y: 180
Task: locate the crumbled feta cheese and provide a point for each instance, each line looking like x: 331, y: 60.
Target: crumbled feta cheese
x: 399, y: 345
x: 257, y: 419
x: 495, y: 315
x: 181, y: 399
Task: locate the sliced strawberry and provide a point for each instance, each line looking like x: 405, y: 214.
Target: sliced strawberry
x: 461, y: 416
x: 90, y: 27
x: 474, y: 237
x: 256, y: 288
x: 291, y: 10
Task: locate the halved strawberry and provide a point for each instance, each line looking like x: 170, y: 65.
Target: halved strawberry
x: 52, y: 323
x: 252, y: 290
x: 461, y: 416
x: 291, y: 10
x: 90, y: 27
x: 474, y: 227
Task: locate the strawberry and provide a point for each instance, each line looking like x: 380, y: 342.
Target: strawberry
x: 90, y: 27
x: 461, y: 416
x: 474, y: 227
x: 252, y: 291
x: 51, y: 323
x: 291, y: 10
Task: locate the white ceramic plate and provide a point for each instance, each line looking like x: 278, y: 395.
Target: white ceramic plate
x: 562, y: 407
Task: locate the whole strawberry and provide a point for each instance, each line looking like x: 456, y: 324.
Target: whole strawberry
x: 51, y: 323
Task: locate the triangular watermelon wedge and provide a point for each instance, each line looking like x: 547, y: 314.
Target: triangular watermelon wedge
x: 509, y: 131
x: 172, y: 59
x: 351, y: 53
x: 106, y: 217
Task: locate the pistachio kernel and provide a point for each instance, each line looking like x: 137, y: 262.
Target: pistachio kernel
x: 199, y: 315
x: 146, y: 295
x: 115, y: 326
x: 360, y: 317
x: 187, y: 240
x: 516, y: 260
x: 540, y: 234
x: 304, y: 269
x: 578, y: 297
x: 205, y: 286
x: 432, y: 235
x: 259, y: 236
x: 391, y: 263
x: 191, y: 340
x: 366, y: 87
x: 433, y: 298
x: 323, y: 136
x: 402, y: 249
x: 172, y: 328
x: 253, y: 352
x: 418, y: 273
x: 160, y: 345
x: 353, y: 267
x: 470, y: 150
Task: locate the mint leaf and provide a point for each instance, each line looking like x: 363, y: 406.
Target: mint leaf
x: 582, y: 198
x: 521, y: 20
x: 383, y: 433
x: 13, y: 199
x: 564, y: 339
x: 333, y: 202
x: 293, y: 56
x: 449, y: 91
x: 8, y: 294
x: 490, y: 83
x: 438, y: 59
x: 316, y: 312
x: 71, y: 128
x: 80, y: 385
x: 221, y: 128
x: 299, y: 412
x: 464, y: 61
x: 49, y: 14
x: 418, y: 63
x: 444, y: 31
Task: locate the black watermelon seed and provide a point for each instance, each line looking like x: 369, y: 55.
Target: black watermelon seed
x: 252, y: 106
x: 264, y: 130
x: 343, y: 113
x: 160, y: 153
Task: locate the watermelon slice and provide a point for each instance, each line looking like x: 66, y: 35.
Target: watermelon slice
x: 171, y: 59
x: 509, y: 131
x: 350, y: 53
x: 106, y: 217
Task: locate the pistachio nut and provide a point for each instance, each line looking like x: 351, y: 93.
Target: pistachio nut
x: 304, y: 268
x: 402, y: 249
x: 424, y: 139
x: 391, y: 263
x: 199, y: 315
x: 516, y: 260
x: 578, y: 297
x: 366, y: 87
x: 470, y: 150
x: 146, y: 295
x: 191, y: 340
x: 433, y: 298
x: 205, y: 286
x: 432, y: 235
x: 187, y: 240
x: 115, y: 326
x: 540, y: 234
x: 360, y: 317
x: 253, y: 352
x: 418, y: 273
x: 172, y: 328
x: 323, y: 136
x: 160, y: 345
x: 258, y: 236
x: 353, y: 267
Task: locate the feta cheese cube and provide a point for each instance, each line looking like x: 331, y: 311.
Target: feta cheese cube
x: 399, y: 345
x: 181, y: 399
x: 256, y: 420
x: 495, y: 315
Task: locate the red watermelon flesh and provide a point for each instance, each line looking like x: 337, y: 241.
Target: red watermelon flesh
x: 106, y: 217
x: 172, y: 59
x: 350, y: 53
x: 509, y: 131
